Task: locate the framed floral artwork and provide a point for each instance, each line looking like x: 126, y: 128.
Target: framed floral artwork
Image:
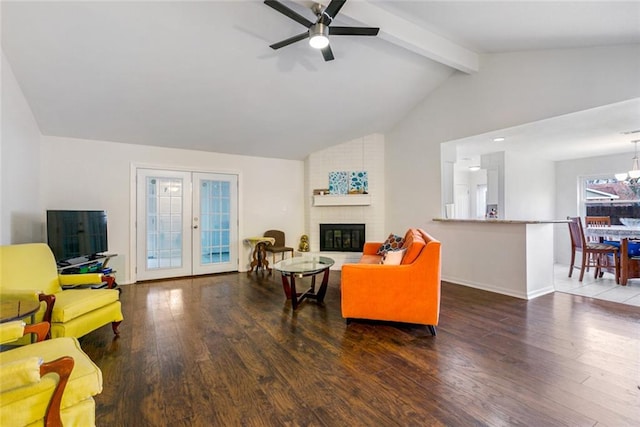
x: 359, y: 182
x: 338, y: 182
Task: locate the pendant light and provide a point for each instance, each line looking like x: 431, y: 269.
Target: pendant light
x: 634, y: 173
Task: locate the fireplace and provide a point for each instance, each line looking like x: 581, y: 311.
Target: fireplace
x: 342, y: 237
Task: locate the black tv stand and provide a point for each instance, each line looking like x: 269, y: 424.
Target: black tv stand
x: 71, y: 262
x: 82, y: 265
x: 84, y: 261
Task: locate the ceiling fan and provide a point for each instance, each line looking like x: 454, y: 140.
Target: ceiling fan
x: 320, y: 30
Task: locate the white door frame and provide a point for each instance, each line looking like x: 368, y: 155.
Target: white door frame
x: 134, y: 166
x: 179, y: 267
x: 198, y: 180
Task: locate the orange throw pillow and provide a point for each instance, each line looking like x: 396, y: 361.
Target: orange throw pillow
x: 414, y: 243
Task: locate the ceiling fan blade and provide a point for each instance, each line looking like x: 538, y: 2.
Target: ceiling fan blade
x: 290, y: 40
x: 334, y: 7
x: 353, y: 31
x: 288, y: 12
x: 327, y: 54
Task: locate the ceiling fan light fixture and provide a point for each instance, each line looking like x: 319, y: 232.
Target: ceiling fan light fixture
x: 319, y: 36
x: 318, y: 32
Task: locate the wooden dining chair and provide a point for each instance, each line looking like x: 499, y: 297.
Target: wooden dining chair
x: 279, y: 244
x: 594, y: 254
x: 597, y: 221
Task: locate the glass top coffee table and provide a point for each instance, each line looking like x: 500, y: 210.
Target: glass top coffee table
x: 302, y: 266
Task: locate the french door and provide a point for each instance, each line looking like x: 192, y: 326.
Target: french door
x: 187, y: 223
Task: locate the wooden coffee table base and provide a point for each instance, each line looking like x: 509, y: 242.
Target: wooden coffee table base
x: 289, y: 285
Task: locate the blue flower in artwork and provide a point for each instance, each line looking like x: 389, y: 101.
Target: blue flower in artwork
x: 359, y: 182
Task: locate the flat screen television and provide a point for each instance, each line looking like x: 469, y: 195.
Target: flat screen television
x: 74, y: 234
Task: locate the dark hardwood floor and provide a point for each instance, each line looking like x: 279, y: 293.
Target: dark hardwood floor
x: 226, y: 350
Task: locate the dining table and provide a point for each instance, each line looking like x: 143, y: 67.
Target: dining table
x: 629, y: 266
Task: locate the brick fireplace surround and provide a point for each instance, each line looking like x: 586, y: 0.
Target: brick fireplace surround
x: 362, y: 154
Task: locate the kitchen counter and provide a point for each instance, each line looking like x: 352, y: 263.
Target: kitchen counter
x: 511, y: 257
x: 503, y: 221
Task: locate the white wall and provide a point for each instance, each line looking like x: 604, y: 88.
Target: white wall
x: 83, y: 174
x: 529, y: 183
x: 568, y: 174
x: 510, y: 89
x: 20, y: 207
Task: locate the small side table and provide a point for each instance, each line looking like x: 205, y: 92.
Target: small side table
x: 16, y: 309
x: 258, y: 252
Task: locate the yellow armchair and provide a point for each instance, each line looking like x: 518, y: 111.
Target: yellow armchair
x: 30, y: 271
x: 50, y: 383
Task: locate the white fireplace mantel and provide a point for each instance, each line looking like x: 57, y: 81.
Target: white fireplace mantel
x: 342, y: 200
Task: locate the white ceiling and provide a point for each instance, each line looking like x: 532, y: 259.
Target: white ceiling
x: 200, y: 75
x: 605, y: 130
x: 508, y: 26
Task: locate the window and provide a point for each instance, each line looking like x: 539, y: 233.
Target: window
x: 606, y: 196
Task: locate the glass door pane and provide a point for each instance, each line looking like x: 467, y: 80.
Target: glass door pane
x: 215, y: 205
x: 164, y: 220
x: 163, y: 224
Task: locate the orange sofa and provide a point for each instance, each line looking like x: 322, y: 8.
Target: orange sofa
x: 409, y: 292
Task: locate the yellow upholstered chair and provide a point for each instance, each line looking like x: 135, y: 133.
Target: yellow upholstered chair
x: 30, y: 271
x: 13, y: 331
x: 49, y: 383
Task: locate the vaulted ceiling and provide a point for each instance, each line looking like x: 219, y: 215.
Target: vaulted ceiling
x: 200, y: 75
